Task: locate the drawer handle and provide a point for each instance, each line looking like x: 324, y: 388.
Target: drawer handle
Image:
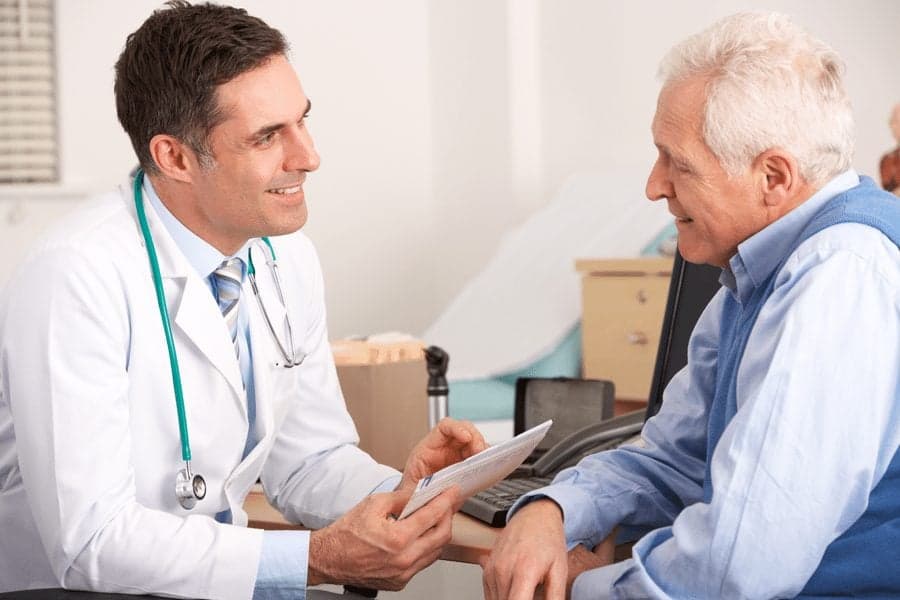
x: 637, y: 338
x: 642, y: 297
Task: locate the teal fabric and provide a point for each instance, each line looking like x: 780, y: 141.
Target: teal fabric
x: 481, y: 400
x: 489, y: 399
x: 653, y: 248
x: 494, y: 398
x: 564, y: 361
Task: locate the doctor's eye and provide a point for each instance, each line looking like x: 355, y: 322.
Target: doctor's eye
x: 267, y: 139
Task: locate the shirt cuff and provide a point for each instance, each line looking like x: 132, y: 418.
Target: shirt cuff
x: 283, y: 566
x: 596, y: 584
x: 388, y: 485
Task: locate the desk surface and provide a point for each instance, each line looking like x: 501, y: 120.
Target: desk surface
x: 471, y: 539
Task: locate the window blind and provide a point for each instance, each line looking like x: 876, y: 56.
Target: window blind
x: 28, y: 140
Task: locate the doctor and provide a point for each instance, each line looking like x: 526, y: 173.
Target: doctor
x: 93, y: 442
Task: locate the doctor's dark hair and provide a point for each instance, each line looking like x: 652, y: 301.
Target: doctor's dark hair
x: 171, y: 67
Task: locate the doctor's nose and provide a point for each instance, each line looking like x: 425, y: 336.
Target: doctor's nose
x: 300, y: 152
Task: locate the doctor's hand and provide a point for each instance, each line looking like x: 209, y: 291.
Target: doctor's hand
x: 529, y: 553
x: 449, y: 442
x: 369, y: 548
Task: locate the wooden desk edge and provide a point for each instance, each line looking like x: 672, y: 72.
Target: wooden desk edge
x: 471, y: 539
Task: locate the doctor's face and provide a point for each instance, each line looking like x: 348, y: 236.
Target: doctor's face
x: 262, y: 152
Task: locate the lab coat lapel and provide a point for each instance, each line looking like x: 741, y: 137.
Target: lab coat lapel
x: 199, y: 318
x: 266, y: 375
x: 192, y: 308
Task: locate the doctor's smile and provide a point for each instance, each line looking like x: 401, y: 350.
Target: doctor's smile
x: 285, y: 190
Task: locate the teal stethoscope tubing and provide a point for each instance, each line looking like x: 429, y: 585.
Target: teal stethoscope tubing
x: 164, y: 315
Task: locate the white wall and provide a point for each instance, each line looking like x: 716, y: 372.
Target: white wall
x: 441, y: 124
x: 598, y: 110
x: 364, y: 65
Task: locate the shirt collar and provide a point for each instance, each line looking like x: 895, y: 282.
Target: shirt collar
x: 203, y: 257
x: 761, y: 253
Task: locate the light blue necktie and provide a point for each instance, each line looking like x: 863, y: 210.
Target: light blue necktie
x: 228, y: 277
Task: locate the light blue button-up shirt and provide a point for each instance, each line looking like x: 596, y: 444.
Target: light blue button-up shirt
x: 817, y: 424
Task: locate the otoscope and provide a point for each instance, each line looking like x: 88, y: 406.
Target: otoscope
x: 436, y: 361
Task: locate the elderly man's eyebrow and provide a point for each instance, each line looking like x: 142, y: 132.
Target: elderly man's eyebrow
x: 663, y: 148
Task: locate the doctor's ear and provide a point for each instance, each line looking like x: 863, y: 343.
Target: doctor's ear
x: 175, y: 159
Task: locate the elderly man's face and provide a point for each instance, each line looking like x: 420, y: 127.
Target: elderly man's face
x: 713, y: 212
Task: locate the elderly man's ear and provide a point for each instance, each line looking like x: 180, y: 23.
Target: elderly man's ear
x: 779, y: 178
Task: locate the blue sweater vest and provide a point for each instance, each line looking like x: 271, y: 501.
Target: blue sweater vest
x: 865, y: 559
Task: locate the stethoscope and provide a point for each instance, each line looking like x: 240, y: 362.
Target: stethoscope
x: 191, y: 487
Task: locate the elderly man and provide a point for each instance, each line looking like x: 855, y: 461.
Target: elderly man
x: 772, y: 468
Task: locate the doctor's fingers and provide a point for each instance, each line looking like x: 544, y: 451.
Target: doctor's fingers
x: 438, y: 509
x: 408, y: 572
x: 427, y: 548
x: 417, y: 554
x: 386, y: 505
x: 463, y: 435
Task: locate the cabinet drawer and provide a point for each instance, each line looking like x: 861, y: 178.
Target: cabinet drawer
x: 622, y: 315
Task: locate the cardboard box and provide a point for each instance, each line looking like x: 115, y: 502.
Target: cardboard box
x: 388, y: 400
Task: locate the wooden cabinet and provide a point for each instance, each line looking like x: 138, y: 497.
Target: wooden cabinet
x: 623, y: 301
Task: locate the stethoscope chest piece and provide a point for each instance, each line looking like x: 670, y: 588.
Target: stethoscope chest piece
x: 189, y: 488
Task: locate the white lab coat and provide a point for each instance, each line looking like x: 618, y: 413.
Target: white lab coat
x: 89, y: 443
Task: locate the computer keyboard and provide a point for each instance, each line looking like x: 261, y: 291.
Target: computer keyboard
x: 492, y: 504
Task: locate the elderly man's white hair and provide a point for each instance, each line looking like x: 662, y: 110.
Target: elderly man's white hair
x: 771, y: 85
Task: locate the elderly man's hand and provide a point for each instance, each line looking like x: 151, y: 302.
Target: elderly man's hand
x: 531, y: 552
x: 368, y: 547
x: 580, y: 559
x: 529, y: 560
x: 449, y: 442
